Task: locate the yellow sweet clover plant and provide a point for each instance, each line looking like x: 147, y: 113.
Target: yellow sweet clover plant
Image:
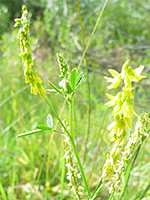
x: 25, y: 48
x: 123, y: 113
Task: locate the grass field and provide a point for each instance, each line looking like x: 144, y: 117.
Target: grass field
x: 33, y: 167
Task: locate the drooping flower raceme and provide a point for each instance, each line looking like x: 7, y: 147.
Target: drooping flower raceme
x: 135, y: 139
x: 30, y: 74
x: 122, y: 112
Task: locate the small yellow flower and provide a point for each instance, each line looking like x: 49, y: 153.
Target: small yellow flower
x: 115, y: 82
x: 127, y: 108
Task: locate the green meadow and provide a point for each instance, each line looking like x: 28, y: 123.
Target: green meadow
x: 73, y: 44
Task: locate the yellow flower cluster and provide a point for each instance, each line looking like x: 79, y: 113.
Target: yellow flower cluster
x: 135, y: 139
x: 122, y: 112
x: 23, y: 35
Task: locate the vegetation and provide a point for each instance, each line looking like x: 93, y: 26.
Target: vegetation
x: 70, y: 151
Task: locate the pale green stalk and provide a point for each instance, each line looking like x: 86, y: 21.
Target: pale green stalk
x: 73, y: 145
x: 94, y: 29
x: 88, y: 82
x: 97, y: 190
x: 62, y: 178
x: 145, y: 191
x: 71, y: 119
x: 2, y: 191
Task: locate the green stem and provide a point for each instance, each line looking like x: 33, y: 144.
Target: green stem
x: 129, y: 168
x: 94, y: 29
x: 71, y: 119
x: 73, y: 145
x: 80, y: 165
x: 62, y: 178
x: 97, y: 190
x: 55, y: 113
x: 88, y: 82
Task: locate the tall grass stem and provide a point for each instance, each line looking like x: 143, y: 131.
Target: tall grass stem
x: 94, y: 29
x: 88, y: 81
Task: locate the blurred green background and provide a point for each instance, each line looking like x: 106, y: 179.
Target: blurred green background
x: 31, y: 168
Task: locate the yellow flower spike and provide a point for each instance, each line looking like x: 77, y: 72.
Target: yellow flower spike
x: 25, y: 48
x: 123, y: 113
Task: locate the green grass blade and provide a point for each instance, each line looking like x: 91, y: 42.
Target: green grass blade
x: 2, y: 191
x: 29, y: 133
x: 145, y: 191
x: 13, y: 123
x: 11, y: 96
x: 62, y: 178
x: 94, y: 29
x: 97, y: 190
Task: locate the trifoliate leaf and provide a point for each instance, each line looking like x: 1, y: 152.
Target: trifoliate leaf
x: 49, y: 121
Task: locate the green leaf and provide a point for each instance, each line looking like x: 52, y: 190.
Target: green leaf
x: 79, y: 79
x: 55, y: 88
x: 73, y: 78
x: 43, y: 128
x: 49, y: 121
x: 29, y: 133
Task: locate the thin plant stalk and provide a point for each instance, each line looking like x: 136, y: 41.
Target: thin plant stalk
x: 145, y: 191
x: 94, y: 29
x: 73, y: 145
x: 97, y: 190
x: 62, y: 178
x: 97, y: 136
x: 71, y: 117
x: 129, y: 168
x: 88, y: 82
